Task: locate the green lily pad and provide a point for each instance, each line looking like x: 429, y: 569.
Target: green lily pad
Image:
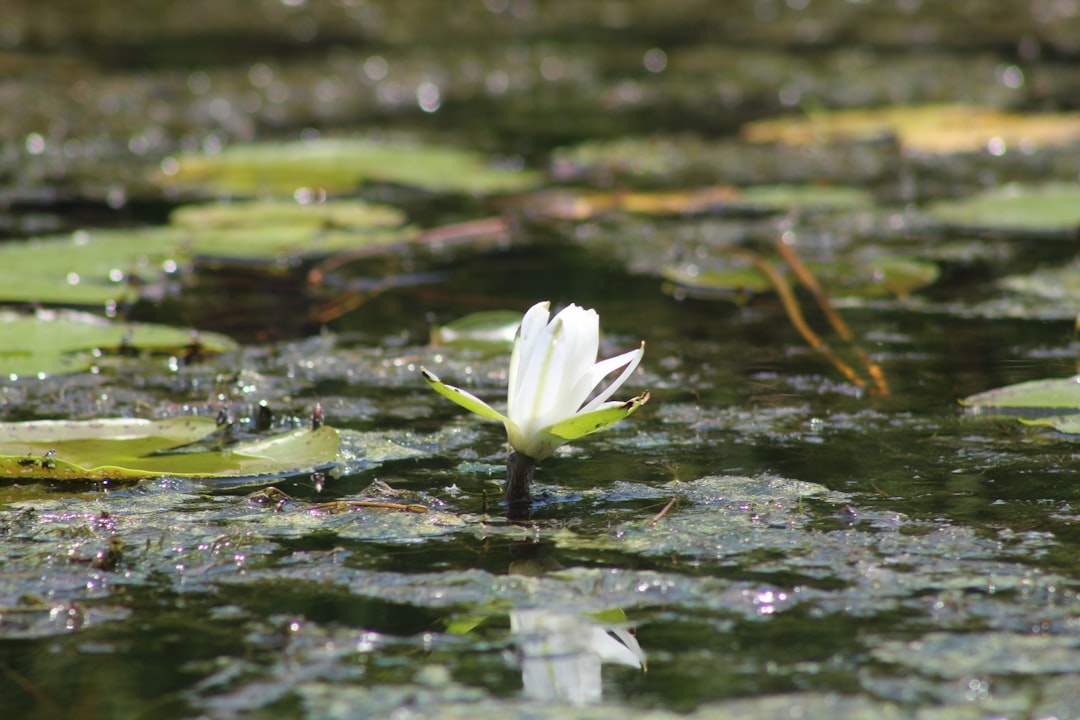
x: 866, y: 276
x: 58, y: 342
x: 1032, y: 398
x: 283, y: 231
x: 1052, y: 208
x: 1059, y: 286
x: 125, y: 448
x: 340, y: 214
x: 339, y: 166
x: 878, y: 275
x: 483, y: 330
x: 284, y: 245
x: 86, y: 268
x: 806, y: 197
x: 1066, y: 424
x: 741, y: 278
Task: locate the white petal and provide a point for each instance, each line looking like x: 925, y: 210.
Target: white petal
x: 576, y: 345
x: 532, y: 326
x: 623, y: 648
x: 532, y: 339
x: 632, y: 358
x: 566, y: 350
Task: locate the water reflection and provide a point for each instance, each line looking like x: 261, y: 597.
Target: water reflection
x: 562, y: 651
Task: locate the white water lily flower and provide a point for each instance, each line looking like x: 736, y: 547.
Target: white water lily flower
x: 553, y: 377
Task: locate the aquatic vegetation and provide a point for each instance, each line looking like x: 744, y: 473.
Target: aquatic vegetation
x: 787, y: 535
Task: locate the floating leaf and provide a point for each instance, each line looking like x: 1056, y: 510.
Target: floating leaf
x: 1034, y: 397
x: 1016, y: 208
x: 282, y: 231
x: 86, y: 268
x: 738, y: 278
x: 340, y: 214
x: 482, y: 330
x: 935, y: 129
x: 338, y: 166
x: 124, y: 448
x: 1059, y: 287
x: 877, y: 275
x: 865, y: 276
x: 1066, y: 424
x: 806, y: 197
x: 285, y: 245
x: 56, y: 342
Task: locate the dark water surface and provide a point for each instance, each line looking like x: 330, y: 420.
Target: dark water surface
x: 828, y: 551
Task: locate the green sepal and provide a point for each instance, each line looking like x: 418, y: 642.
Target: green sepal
x: 590, y: 422
x: 466, y: 400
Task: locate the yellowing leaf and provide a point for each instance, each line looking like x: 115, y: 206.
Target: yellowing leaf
x: 934, y: 129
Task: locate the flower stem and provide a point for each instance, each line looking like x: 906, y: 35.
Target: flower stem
x: 519, y: 472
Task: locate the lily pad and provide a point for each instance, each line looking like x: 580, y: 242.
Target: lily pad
x: 483, y: 330
x: 124, y: 448
x: 1065, y: 424
x: 284, y: 231
x: 57, y: 342
x: 86, y: 268
x: 932, y: 129
x: 806, y: 197
x: 339, y: 166
x: 737, y: 278
x: 1058, y: 286
x: 1052, y: 208
x: 1034, y: 397
x: 340, y: 214
x: 866, y: 276
x: 285, y: 245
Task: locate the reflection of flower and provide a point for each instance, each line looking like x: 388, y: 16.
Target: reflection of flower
x: 553, y: 373
x: 561, y: 654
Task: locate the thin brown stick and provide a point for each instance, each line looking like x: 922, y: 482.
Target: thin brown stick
x: 784, y: 245
x: 791, y: 306
x: 39, y: 695
x: 787, y: 252
x: 663, y: 512
x: 339, y: 504
x: 344, y: 303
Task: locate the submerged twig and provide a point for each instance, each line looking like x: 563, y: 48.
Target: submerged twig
x: 785, y: 246
x: 656, y: 518
x: 794, y: 312
x: 341, y: 504
x: 30, y: 688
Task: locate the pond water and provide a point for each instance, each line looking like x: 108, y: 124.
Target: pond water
x: 767, y: 537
